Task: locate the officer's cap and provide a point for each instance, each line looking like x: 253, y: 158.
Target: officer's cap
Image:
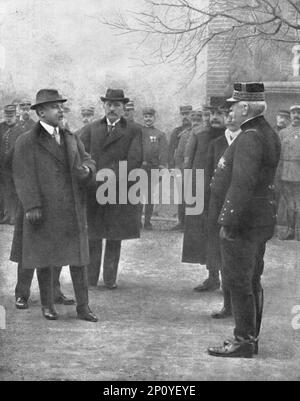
x: 148, y: 110
x: 248, y: 92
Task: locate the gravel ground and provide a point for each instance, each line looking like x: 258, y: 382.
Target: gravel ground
x: 154, y: 327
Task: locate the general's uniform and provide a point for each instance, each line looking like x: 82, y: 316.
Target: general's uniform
x: 111, y: 222
x: 155, y: 156
x: 213, y: 207
x: 243, y: 182
x: 289, y: 177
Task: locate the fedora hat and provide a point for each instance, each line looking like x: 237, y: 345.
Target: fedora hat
x: 115, y: 95
x: 47, y: 96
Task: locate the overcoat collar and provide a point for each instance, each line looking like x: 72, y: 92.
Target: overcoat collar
x: 252, y: 123
x: 117, y: 133
x: 70, y: 143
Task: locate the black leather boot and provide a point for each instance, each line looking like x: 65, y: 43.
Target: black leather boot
x: 259, y: 304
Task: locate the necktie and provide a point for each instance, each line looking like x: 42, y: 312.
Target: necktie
x: 110, y: 129
x: 56, y: 135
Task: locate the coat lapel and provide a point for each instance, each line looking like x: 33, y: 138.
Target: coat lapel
x: 71, y: 146
x: 117, y: 133
x: 48, y: 144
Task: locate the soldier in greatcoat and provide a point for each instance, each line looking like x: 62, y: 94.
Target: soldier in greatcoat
x: 244, y: 183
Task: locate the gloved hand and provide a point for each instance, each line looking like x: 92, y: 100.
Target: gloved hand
x: 83, y: 173
x: 34, y: 216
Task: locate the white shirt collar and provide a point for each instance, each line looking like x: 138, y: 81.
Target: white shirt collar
x: 231, y: 136
x: 48, y: 128
x: 112, y: 124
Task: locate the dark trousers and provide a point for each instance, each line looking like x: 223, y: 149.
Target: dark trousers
x: 24, y: 281
x: 110, y: 264
x: 243, y: 266
x: 10, y: 199
x: 149, y: 207
x: 79, y: 280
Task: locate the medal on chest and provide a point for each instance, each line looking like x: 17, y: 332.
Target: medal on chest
x: 222, y: 163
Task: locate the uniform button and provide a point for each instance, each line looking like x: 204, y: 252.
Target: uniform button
x: 232, y: 211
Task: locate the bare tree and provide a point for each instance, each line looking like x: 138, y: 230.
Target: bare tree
x: 182, y: 29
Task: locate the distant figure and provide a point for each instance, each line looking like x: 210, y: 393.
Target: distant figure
x: 283, y: 120
x: 155, y: 156
x: 26, y: 122
x: 129, y: 111
x: 87, y: 114
x: 288, y: 175
x: 185, y: 113
x: 9, y: 132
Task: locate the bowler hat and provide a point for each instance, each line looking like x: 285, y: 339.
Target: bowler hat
x: 115, y: 95
x: 47, y: 96
x: 248, y: 92
x: 215, y: 103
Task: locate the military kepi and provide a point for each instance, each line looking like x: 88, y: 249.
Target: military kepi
x: 148, y: 110
x: 10, y: 109
x: 248, y: 92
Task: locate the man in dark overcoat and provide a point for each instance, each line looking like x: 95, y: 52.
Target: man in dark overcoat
x: 51, y: 170
x: 195, y: 233
x: 110, y: 141
x: 244, y: 182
